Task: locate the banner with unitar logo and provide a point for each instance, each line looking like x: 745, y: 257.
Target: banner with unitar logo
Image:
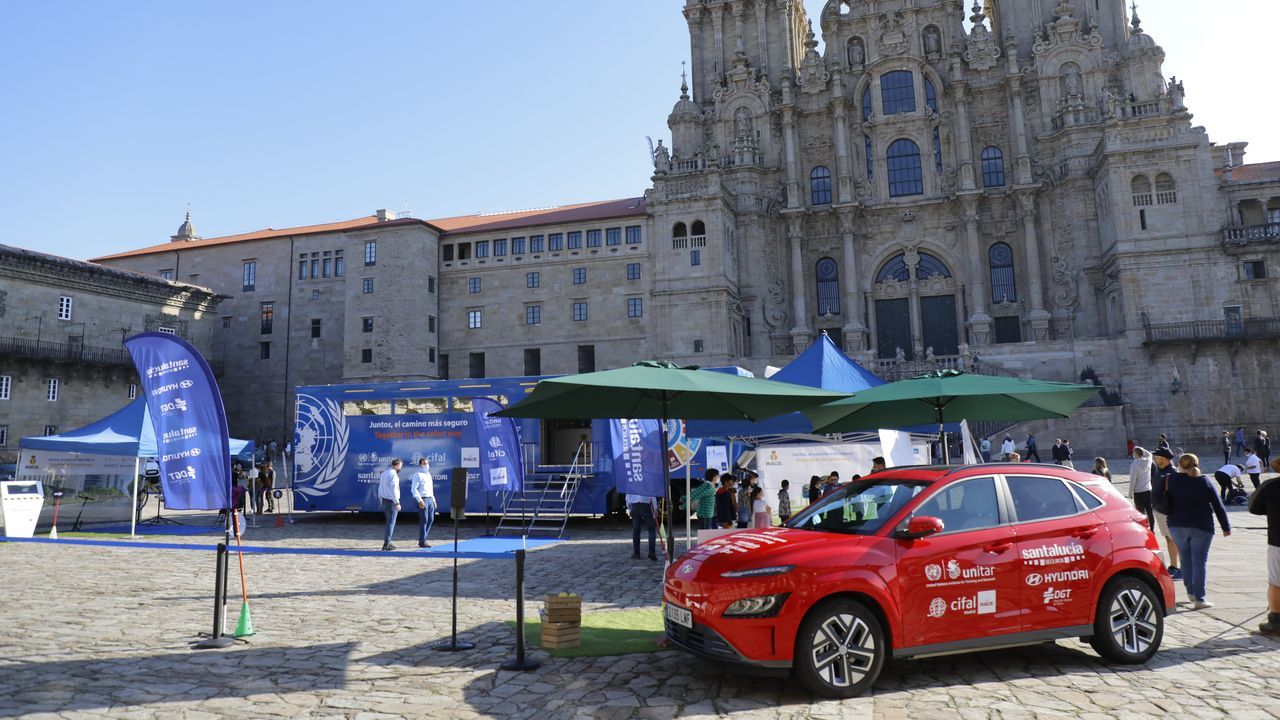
x: 501, y: 464
x: 189, y: 421
x: 638, y: 457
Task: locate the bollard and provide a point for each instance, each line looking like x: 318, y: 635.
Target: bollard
x: 453, y: 644
x: 217, y: 639
x: 520, y: 662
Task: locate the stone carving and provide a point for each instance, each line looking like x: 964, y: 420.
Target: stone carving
x: 899, y: 355
x: 1071, y: 80
x: 1108, y: 103
x: 661, y: 158
x: 1177, y: 94
x: 981, y: 50
x: 893, y: 38
x: 1066, y: 286
x: 3, y: 297
x: 813, y: 75
x: 742, y: 124
x: 775, y: 303
x: 856, y: 52
x: 932, y: 42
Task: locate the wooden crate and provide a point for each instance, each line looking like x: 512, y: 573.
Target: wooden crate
x: 562, y: 609
x: 561, y: 635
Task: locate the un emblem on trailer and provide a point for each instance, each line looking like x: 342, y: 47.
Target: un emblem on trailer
x: 322, y: 441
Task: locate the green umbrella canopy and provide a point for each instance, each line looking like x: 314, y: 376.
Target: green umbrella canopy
x: 662, y: 390
x: 949, y: 396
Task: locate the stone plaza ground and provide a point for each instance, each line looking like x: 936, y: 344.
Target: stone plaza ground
x: 102, y: 632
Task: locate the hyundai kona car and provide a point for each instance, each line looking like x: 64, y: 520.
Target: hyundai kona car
x: 924, y: 561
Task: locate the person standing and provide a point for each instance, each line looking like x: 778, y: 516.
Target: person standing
x: 784, y: 501
x: 642, y: 518
x: 815, y: 490
x: 1266, y: 501
x: 423, y: 489
x: 985, y: 449
x: 389, y: 494
x: 1067, y: 452
x: 251, y: 487
x: 1056, y: 452
x: 703, y: 498
x: 1008, y: 448
x: 1253, y: 466
x: 877, y: 465
x: 1140, y: 484
x: 1226, y: 447
x: 1239, y: 441
x: 267, y: 482
x: 1161, y: 469
x: 761, y: 513
x: 744, y: 500
x: 1262, y: 446
x: 1032, y: 450
x: 1100, y: 468
x: 727, y: 502
x: 1193, y: 505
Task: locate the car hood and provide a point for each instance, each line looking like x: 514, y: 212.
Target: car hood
x: 750, y: 549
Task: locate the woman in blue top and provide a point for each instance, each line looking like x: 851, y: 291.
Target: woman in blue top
x: 1193, y: 501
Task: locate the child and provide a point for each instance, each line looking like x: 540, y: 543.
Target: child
x: 784, y: 501
x: 761, y: 513
x: 1100, y: 468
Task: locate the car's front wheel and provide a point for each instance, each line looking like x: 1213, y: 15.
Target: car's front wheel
x: 1129, y: 624
x: 840, y: 649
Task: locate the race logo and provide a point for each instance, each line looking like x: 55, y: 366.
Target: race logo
x: 1054, y: 554
x: 321, y: 442
x: 937, y: 608
x: 1053, y: 596
x: 933, y: 572
x: 986, y: 602
x: 983, y: 603
x: 1037, y: 579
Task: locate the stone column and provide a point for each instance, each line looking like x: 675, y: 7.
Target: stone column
x: 794, y: 194
x: 1017, y: 118
x: 1037, y: 317
x: 979, y: 320
x: 800, y: 332
x: 717, y: 29
x: 699, y: 67
x: 844, y: 163
x: 762, y: 33
x: 854, y: 330
x: 964, y: 138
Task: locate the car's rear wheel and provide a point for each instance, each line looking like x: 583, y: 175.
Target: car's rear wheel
x: 840, y: 649
x: 1129, y: 624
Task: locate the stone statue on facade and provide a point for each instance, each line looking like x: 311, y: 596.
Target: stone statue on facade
x: 1071, y: 81
x: 899, y: 355
x: 742, y: 124
x: 857, y: 53
x: 1177, y: 94
x: 932, y: 42
x: 661, y: 157
x: 1108, y: 103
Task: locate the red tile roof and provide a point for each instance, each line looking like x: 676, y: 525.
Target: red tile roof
x: 581, y: 212
x: 1255, y: 172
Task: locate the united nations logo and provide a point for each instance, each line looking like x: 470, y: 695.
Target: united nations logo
x: 937, y: 608
x: 933, y: 572
x: 321, y: 444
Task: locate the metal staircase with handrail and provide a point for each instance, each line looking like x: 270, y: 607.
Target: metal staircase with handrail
x: 544, y: 505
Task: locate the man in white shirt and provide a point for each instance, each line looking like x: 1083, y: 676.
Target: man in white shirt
x: 1253, y: 466
x: 641, y: 509
x: 389, y: 494
x: 1007, y: 448
x: 1226, y: 476
x: 424, y: 492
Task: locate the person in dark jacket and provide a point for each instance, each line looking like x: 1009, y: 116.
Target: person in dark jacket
x: 1266, y: 501
x: 1262, y: 446
x: 1193, y: 502
x: 1161, y: 469
x: 727, y: 502
x: 1032, y: 450
x: 1226, y: 447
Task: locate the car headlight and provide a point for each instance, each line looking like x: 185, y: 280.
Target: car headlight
x: 756, y: 607
x: 759, y: 572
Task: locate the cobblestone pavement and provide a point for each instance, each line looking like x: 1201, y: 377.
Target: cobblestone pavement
x: 102, y: 632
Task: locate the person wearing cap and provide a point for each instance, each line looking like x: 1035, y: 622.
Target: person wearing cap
x: 1161, y: 469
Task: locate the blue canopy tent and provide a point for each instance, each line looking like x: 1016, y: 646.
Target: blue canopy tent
x: 126, y: 432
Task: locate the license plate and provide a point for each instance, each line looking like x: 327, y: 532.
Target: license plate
x: 680, y: 616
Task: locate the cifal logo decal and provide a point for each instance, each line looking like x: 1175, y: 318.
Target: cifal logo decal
x: 956, y: 574
x: 982, y: 603
x: 1037, y: 579
x: 1054, y: 596
x: 937, y: 608
x: 1055, y: 554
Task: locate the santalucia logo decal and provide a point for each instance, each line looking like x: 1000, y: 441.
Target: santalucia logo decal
x: 323, y: 438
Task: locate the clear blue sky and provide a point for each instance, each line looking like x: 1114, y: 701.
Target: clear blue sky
x: 117, y: 116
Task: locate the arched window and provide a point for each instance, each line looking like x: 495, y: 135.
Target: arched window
x: 897, y: 92
x: 866, y: 104
x: 828, y: 287
x: 699, y: 228
x: 930, y: 95
x: 905, y: 175
x: 1000, y: 260
x: 679, y: 230
x: 931, y: 267
x: 992, y: 167
x: 1166, y: 189
x: 895, y: 270
x: 820, y: 186
x: 1141, y: 190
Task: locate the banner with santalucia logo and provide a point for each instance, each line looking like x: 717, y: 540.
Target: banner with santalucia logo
x: 189, y: 420
x: 501, y: 464
x: 638, y: 457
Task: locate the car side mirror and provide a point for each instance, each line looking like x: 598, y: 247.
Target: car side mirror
x: 920, y: 527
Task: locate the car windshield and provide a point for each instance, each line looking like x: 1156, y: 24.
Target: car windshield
x: 859, y: 508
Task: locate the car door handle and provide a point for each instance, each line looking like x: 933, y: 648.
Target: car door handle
x: 997, y: 548
x: 1085, y: 533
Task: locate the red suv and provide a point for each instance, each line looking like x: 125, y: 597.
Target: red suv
x: 921, y: 561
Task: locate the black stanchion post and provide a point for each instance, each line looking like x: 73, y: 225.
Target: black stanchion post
x: 458, y: 504
x: 520, y: 662
x: 217, y: 639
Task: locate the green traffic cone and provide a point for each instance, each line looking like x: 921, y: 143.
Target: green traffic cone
x: 244, y: 628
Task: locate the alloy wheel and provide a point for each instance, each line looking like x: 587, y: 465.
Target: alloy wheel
x: 844, y: 650
x: 1133, y: 621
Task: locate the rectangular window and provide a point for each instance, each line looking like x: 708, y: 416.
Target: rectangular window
x: 431, y: 284
x: 635, y: 307
x: 166, y: 274
x: 1255, y: 270
x: 473, y: 285
x: 586, y: 358
x: 555, y: 241
x: 339, y: 264
x: 431, y: 323
x: 64, y: 308
x: 443, y: 368
x: 532, y: 361
x: 302, y: 269
x: 371, y: 252
x: 633, y: 234
x: 50, y: 430
x: 473, y: 319
x: 315, y: 267
x: 697, y: 346
x: 535, y: 243
x: 366, y: 355
x: 315, y: 294
x: 367, y: 286
x: 477, y: 365
x: 264, y: 350
x: 446, y: 253
x: 250, y: 276
x: 482, y: 249
x: 315, y: 327
x: 267, y: 316
x: 4, y: 433
x: 1008, y: 330
x: 517, y: 246
x: 579, y: 276
x: 613, y: 236
x: 328, y: 267
x: 533, y: 315
x: 633, y: 271
x: 695, y: 257
x: 499, y: 248
x: 593, y: 238
x: 575, y: 240
x: 579, y: 312
x: 133, y: 391
x: 532, y: 279
x: 464, y: 251
x: 6, y: 386
x: 431, y: 354
x: 366, y: 324
x: 226, y: 321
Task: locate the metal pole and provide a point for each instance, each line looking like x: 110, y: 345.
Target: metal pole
x: 688, y: 490
x: 133, y: 506
x: 669, y: 552
x: 520, y: 662
x: 452, y: 644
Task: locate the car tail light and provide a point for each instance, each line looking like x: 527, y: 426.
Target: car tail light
x: 756, y: 607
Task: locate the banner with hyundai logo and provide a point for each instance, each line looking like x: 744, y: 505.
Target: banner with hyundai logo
x: 501, y: 464
x: 638, y: 457
x: 189, y: 420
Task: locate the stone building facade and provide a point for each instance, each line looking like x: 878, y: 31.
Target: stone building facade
x: 1025, y: 194
x: 62, y: 321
